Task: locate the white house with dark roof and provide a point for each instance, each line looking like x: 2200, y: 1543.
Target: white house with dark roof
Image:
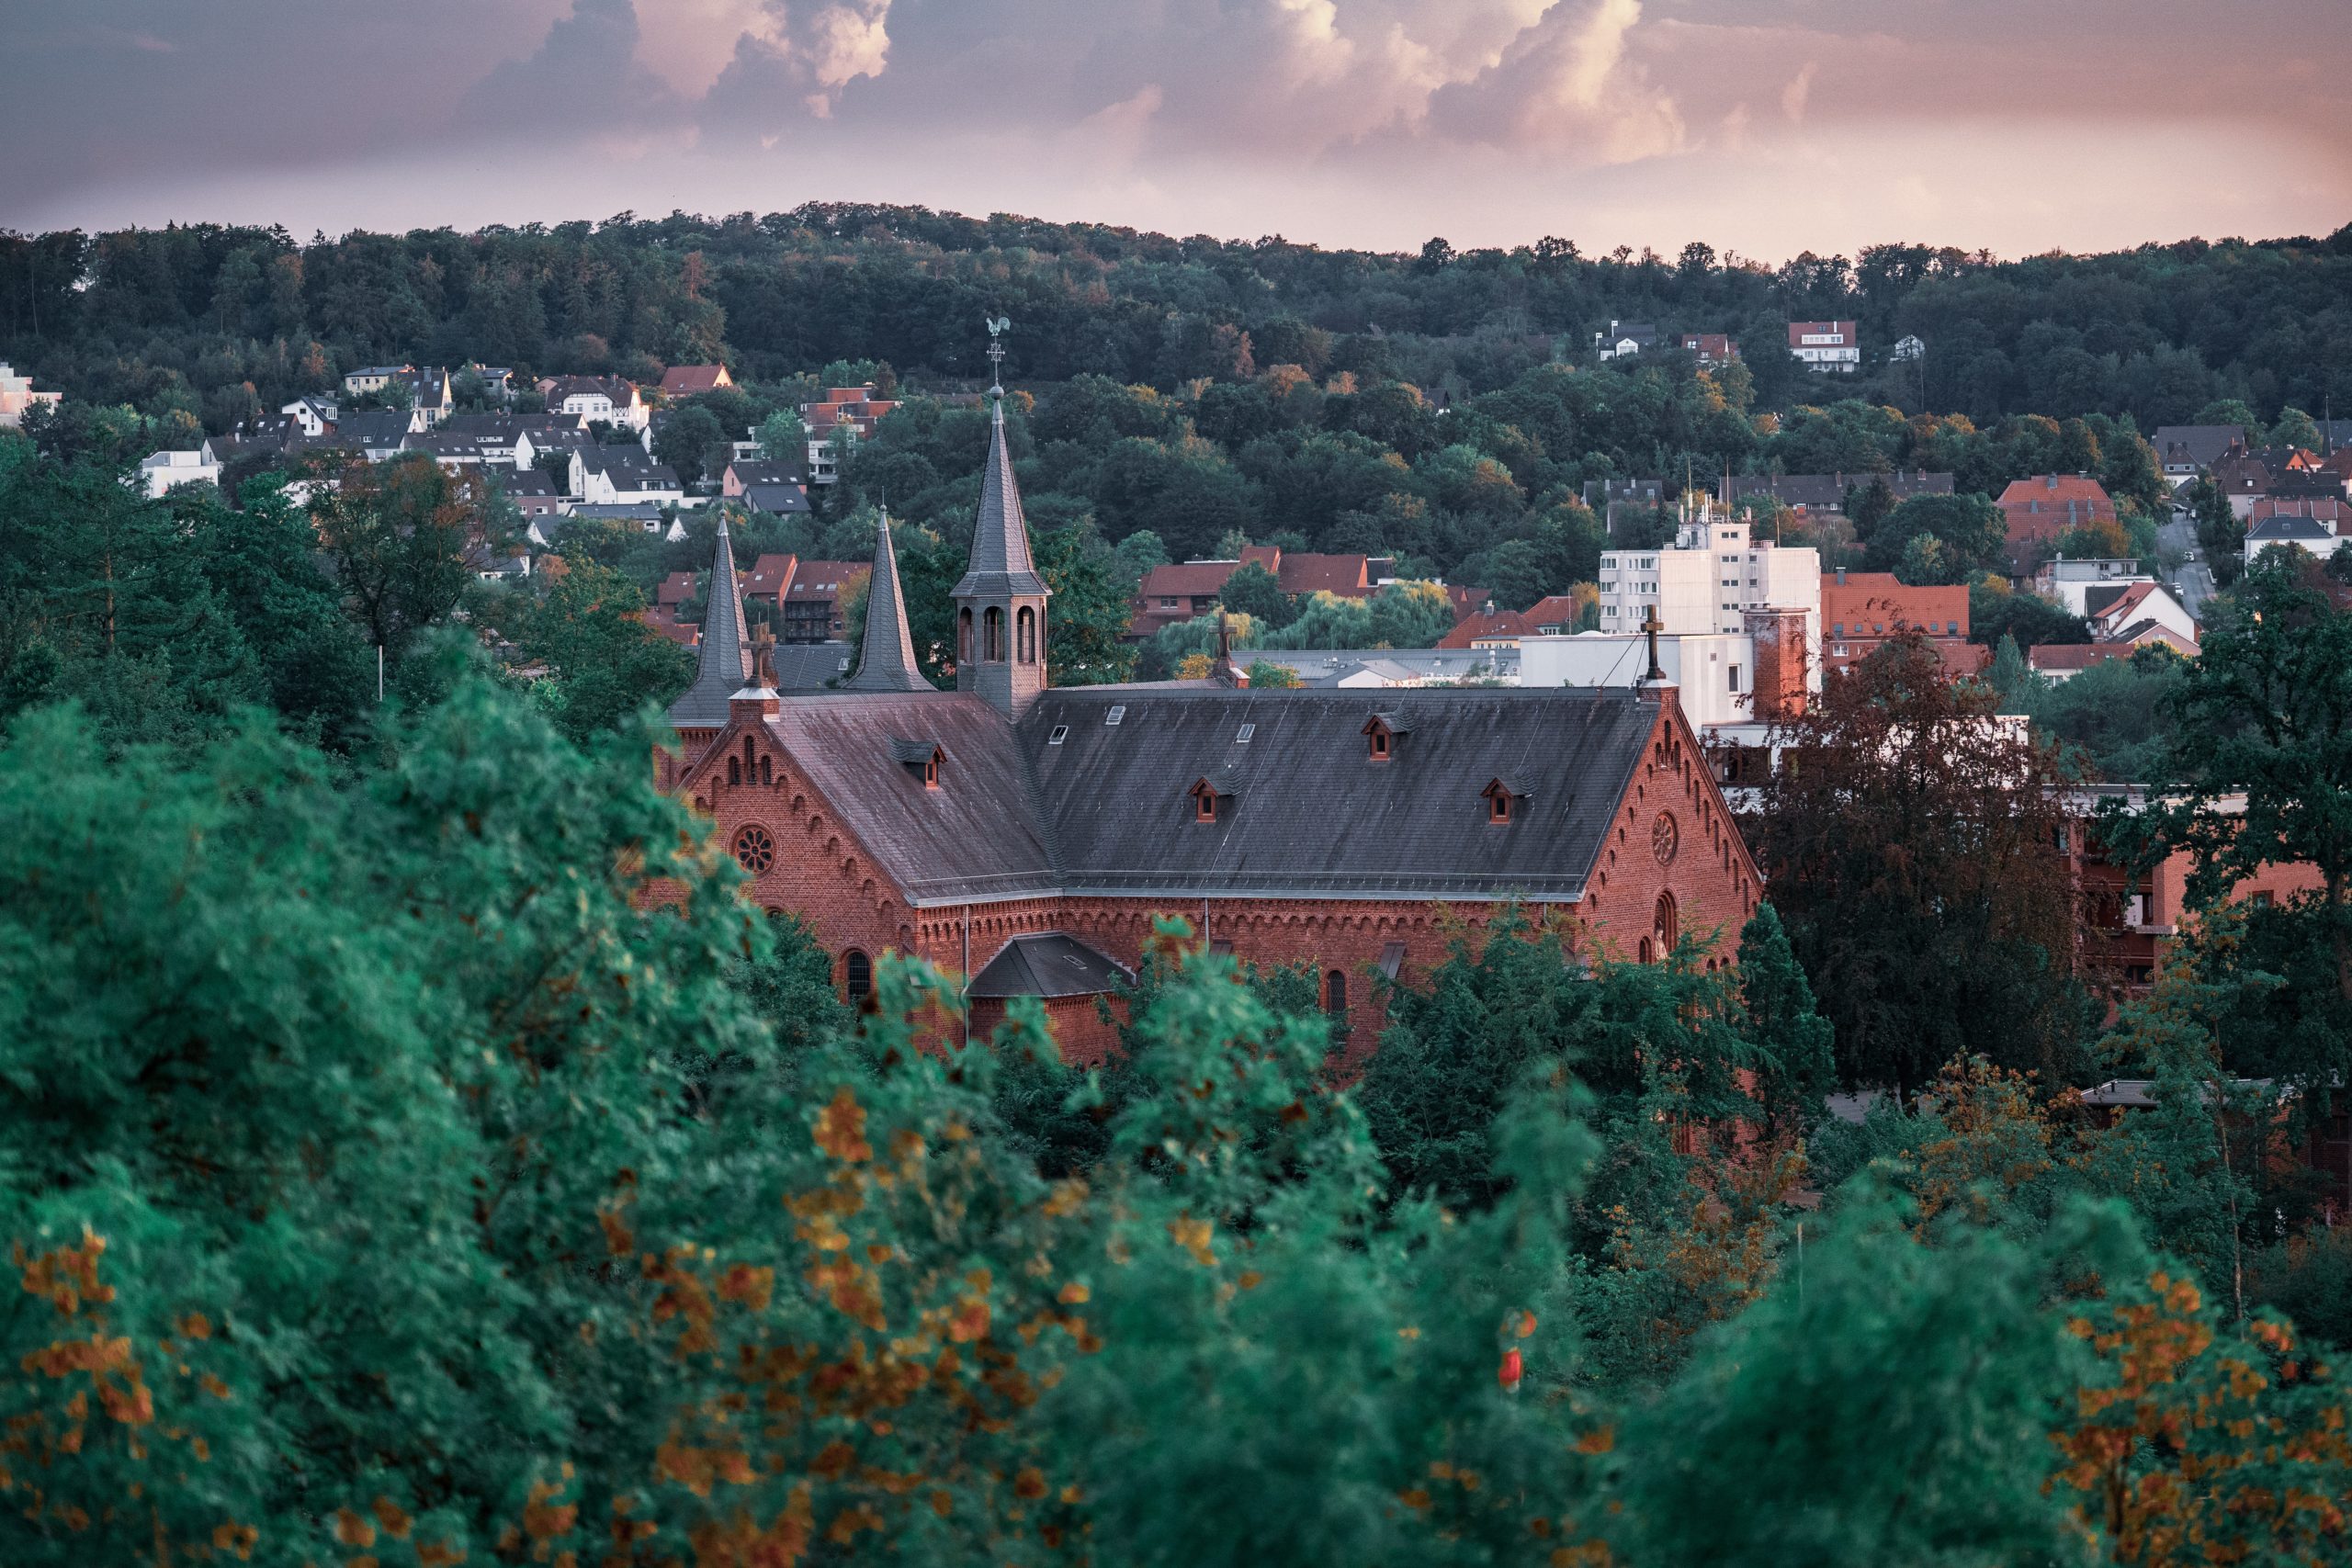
x: 2315, y: 535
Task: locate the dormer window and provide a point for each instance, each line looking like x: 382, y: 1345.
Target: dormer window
x: 920, y: 758
x: 1381, y: 731
x: 1204, y: 802
x: 1503, y: 798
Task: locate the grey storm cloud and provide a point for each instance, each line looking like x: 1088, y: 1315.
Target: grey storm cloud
x: 1293, y: 109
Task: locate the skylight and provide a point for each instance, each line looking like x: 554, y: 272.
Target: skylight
x: 1118, y: 711
x: 1060, y: 734
x: 1243, y: 737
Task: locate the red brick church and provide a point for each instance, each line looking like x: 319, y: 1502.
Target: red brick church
x: 1028, y: 837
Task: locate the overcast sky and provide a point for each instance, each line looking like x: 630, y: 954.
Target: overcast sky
x: 1763, y: 126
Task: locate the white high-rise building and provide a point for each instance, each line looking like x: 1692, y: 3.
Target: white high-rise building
x: 1708, y: 579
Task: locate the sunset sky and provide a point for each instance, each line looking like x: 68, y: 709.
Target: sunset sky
x: 1763, y: 126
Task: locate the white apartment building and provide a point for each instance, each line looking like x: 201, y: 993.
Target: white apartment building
x: 1714, y: 673
x: 1712, y: 574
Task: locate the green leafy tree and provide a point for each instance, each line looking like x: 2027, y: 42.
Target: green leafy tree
x: 397, y: 536
x: 1909, y: 852
x: 1252, y: 590
x: 2265, y: 770
x: 1265, y: 675
x: 1087, y: 626
x: 685, y: 439
x: 604, y: 665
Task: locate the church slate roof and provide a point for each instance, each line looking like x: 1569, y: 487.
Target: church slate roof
x: 1312, y: 815
x: 979, y: 835
x: 1106, y: 810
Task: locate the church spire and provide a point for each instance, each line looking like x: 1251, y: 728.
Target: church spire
x: 723, y: 664
x: 1001, y: 563
x: 886, y: 657
x: 1000, y: 602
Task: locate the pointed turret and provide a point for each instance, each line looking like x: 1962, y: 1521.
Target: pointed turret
x: 1000, y: 602
x: 1000, y: 566
x: 723, y: 665
x: 886, y: 657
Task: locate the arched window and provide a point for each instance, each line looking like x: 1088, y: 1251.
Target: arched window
x: 734, y: 770
x: 1025, y: 629
x: 857, y: 979
x: 768, y: 770
x: 1334, y: 992
x: 1667, y: 924
x: 1647, y: 952
x: 963, y: 636
x: 992, y: 626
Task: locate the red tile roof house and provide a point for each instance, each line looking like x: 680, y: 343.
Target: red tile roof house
x: 1827, y: 345
x: 1182, y: 590
x: 1485, y: 628
x: 1860, y: 610
x: 688, y: 380
x: 770, y: 580
x: 2041, y: 508
x: 2064, y: 661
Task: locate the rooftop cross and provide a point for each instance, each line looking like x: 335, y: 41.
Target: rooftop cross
x: 1652, y: 625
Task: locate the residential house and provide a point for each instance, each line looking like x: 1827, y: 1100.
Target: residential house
x: 2039, y: 509
x: 532, y: 492
x: 2123, y: 612
x: 378, y: 432
x: 1624, y: 340
x: 1835, y: 346
x: 497, y: 381
x: 2065, y: 581
x: 17, y: 397
x: 815, y: 601
x: 2315, y: 535
x: 2188, y: 450
x: 848, y: 412
x: 2323, y: 509
x: 606, y: 400
x: 623, y: 476
x: 1711, y: 348
x: 162, y: 471
x: 770, y: 577
x: 1486, y: 627
x: 671, y: 592
x: 1907, y: 348
x: 313, y: 413
x: 372, y: 379
x: 691, y: 380
x: 1182, y: 590
x: 764, y: 485
x: 1864, y: 609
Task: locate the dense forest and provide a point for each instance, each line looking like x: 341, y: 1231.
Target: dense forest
x: 186, y: 316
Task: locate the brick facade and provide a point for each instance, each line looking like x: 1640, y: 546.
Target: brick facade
x: 1673, y: 838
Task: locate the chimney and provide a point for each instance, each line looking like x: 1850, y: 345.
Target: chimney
x: 1841, y: 577
x: 1779, y: 635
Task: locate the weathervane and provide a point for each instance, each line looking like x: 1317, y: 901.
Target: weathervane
x: 997, y: 324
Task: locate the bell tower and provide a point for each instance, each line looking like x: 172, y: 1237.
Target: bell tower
x: 1000, y: 602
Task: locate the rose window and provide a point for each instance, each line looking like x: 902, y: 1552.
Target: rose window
x: 754, y: 849
x: 1664, y: 838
